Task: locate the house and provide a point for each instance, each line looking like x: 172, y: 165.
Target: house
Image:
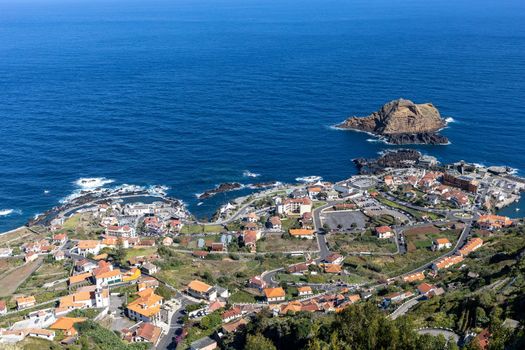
x: 418, y: 276
x: 302, y: 233
x: 120, y: 231
x: 41, y: 333
x: 332, y: 268
x: 78, y: 279
x: 215, y: 305
x: 146, y: 308
x: 147, y: 282
x: 201, y: 254
x: 274, y: 294
x: 30, y: 257
x: 234, y: 326
x: 304, y: 291
x: 86, y: 297
x: 389, y: 180
x: 218, y: 247
x: 274, y: 223
x: 252, y: 217
x: 232, y: 314
x: 334, y: 258
x: 384, y: 232
x: 291, y: 206
x: 167, y: 241
x: 441, y: 243
x: 493, y: 222
x: 256, y: 282
x: 205, y: 343
x: 314, y: 191
x: 222, y: 292
x: 131, y: 275
x: 59, y: 256
x: 3, y: 307
x: 471, y: 246
x: 397, y: 297
x: 150, y: 268
x: 202, y: 290
x: 426, y: 289
x: 249, y: 239
x: 297, y: 269
x: 483, y: 339
x: 108, y: 277
x: 84, y: 265
x: 332, y: 195
x: 25, y: 302
x: 446, y: 262
x: 147, y: 332
x: 60, y: 238
x: 66, y: 325
x: 86, y: 247
x: 147, y: 242
x: 175, y: 225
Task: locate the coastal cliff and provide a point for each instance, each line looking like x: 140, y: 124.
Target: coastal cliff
x: 402, y: 122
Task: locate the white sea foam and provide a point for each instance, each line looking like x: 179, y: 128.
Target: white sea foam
x: 247, y: 173
x: 450, y: 120
x: 92, y: 182
x: 7, y: 212
x: 308, y: 178
x: 46, y: 191
x: 200, y: 203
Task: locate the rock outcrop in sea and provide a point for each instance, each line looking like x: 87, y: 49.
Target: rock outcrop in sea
x: 402, y: 122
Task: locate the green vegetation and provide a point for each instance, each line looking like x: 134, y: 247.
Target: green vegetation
x: 194, y: 229
x: 415, y: 213
x: 95, y: 337
x: 361, y: 326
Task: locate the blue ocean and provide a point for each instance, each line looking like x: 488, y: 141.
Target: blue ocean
x: 192, y: 93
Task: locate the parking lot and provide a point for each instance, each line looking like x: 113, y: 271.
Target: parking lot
x: 344, y: 220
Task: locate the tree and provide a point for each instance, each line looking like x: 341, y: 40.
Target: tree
x: 210, y: 321
x: 258, y: 342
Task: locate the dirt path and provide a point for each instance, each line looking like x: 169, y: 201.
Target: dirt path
x: 16, y: 277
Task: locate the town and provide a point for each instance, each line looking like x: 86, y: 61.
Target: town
x: 143, y: 270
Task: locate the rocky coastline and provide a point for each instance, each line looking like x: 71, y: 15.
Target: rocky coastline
x: 224, y: 187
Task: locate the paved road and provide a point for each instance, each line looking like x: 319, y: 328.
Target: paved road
x: 324, y: 251
x: 168, y: 341
x: 449, y: 335
x: 403, y: 309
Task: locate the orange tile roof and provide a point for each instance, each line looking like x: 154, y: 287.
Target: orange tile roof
x: 332, y: 268
x: 383, y: 229
x: 87, y: 244
x: 442, y: 241
x: 306, y: 289
x: 199, y: 286
x: 274, y: 292
x: 109, y: 274
x: 65, y: 323
x: 470, y: 246
x: 354, y: 298
x: 148, y: 303
x: 26, y: 300
x: 418, y: 276
x: 293, y: 306
x: 301, y: 232
x: 79, y: 278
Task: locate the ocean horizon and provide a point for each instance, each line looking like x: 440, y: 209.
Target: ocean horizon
x: 191, y: 94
